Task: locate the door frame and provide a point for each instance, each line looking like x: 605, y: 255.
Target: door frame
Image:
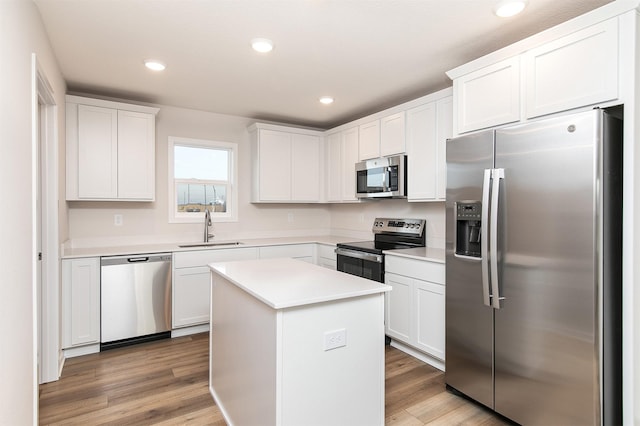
x: 45, y: 134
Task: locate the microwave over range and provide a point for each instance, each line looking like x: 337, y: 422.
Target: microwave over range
x: 384, y: 177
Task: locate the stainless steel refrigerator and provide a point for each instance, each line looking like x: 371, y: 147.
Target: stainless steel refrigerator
x: 533, y: 269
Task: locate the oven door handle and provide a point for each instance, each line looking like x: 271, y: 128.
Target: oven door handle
x: 359, y: 255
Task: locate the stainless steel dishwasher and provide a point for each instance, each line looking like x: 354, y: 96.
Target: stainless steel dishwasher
x: 135, y: 299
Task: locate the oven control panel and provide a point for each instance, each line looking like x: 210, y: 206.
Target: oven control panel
x: 405, y: 226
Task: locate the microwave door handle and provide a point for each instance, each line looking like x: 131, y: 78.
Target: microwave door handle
x: 385, y: 170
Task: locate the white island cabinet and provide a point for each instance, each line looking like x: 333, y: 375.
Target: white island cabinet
x: 296, y: 344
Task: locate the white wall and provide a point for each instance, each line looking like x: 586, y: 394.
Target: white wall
x: 21, y: 34
x: 92, y: 223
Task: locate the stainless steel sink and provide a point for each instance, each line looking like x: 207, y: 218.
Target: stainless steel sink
x: 210, y: 244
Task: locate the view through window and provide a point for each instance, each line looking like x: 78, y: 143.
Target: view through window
x: 202, y: 178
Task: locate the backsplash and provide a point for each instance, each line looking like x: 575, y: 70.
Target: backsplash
x: 357, y: 219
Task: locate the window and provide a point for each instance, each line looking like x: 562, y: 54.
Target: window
x: 202, y: 175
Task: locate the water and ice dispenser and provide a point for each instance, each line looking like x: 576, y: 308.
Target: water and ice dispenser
x: 468, y: 228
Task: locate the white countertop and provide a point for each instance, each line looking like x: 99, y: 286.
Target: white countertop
x: 285, y: 283
x: 420, y: 253
x: 70, y: 253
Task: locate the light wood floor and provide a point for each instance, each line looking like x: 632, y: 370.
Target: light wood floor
x: 166, y: 383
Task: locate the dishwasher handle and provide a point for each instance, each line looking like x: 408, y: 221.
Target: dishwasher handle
x: 128, y: 260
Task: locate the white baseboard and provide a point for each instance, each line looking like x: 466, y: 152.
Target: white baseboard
x: 434, y: 362
x: 179, y: 332
x: 81, y: 350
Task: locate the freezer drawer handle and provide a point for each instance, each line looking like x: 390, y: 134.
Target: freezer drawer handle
x: 497, y: 175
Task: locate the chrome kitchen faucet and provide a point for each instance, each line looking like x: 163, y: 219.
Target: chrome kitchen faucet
x: 207, y: 224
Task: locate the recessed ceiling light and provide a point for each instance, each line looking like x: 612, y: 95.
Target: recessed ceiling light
x: 262, y: 45
x: 507, y: 8
x: 154, y: 65
x: 326, y: 100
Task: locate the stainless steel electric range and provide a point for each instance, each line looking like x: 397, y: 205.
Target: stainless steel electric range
x: 365, y: 258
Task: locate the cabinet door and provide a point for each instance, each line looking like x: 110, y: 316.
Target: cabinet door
x: 275, y: 165
x: 369, y: 140
x: 422, y: 152
x: 349, y: 160
x: 334, y: 167
x: 444, y: 126
x: 136, y: 155
x: 305, y: 168
x: 392, y: 135
x: 488, y: 97
x: 398, y: 308
x: 97, y: 152
x: 577, y: 70
x: 80, y: 302
x: 191, y: 287
x: 429, y: 307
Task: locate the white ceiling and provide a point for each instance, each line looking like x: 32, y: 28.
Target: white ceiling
x: 368, y: 54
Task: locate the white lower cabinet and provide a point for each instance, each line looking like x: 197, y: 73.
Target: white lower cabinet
x: 191, y: 287
x: 192, y: 283
x: 327, y: 256
x: 81, y: 305
x: 415, y: 308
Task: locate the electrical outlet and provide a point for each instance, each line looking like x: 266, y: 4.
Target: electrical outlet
x: 290, y: 217
x: 118, y: 220
x: 335, y: 339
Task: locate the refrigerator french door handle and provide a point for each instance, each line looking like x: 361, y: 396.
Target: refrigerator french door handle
x: 484, y: 242
x: 496, y: 175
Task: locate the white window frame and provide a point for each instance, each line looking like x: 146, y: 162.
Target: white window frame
x: 231, y: 215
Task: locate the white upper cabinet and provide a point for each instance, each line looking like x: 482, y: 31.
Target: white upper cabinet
x: 392, y: 134
x: 342, y: 156
x: 334, y: 167
x: 369, y: 140
x: 97, y: 152
x: 383, y: 137
x: 421, y: 152
x: 136, y: 156
x: 428, y: 127
x: 489, y: 96
x: 305, y: 164
x: 349, y: 160
x: 110, y: 150
x: 444, y: 126
x: 576, y: 70
x: 286, y: 164
x: 578, y: 64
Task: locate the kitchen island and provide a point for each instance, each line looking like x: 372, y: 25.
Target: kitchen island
x: 293, y: 343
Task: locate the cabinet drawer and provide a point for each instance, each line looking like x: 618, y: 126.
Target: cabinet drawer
x: 420, y: 269
x: 186, y: 259
x: 327, y: 252
x: 293, y: 250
